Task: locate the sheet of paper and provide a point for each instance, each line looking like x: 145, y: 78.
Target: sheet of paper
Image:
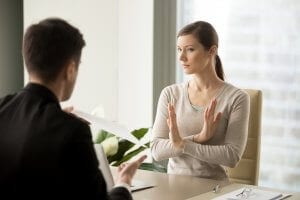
x: 110, y: 126
x: 252, y: 194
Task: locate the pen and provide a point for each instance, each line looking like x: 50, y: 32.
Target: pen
x: 216, y: 189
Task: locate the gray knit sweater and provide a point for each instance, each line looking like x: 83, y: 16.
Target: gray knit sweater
x: 205, y: 160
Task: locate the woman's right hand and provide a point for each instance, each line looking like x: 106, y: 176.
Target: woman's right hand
x: 210, y: 123
x: 174, y: 135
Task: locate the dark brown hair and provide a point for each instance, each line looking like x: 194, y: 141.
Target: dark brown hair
x: 49, y: 45
x: 207, y: 36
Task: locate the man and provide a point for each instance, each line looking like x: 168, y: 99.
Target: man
x: 46, y: 153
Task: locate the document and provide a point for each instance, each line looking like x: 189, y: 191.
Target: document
x: 110, y: 126
x: 252, y: 193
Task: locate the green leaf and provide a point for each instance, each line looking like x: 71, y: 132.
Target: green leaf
x: 147, y: 144
x: 139, y: 133
x: 129, y: 155
x: 124, y: 146
x: 153, y: 167
x: 103, y: 135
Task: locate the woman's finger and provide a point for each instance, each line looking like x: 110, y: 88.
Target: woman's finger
x: 212, y: 107
x: 172, y: 115
x: 218, y: 117
x: 206, y: 113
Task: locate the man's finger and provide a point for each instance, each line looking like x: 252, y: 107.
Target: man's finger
x: 141, y: 159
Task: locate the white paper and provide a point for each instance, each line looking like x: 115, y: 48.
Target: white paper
x: 256, y: 194
x: 110, y: 126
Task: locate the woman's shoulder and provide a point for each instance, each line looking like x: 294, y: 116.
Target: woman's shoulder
x: 234, y: 94
x: 174, y: 88
x: 176, y: 91
x: 232, y: 90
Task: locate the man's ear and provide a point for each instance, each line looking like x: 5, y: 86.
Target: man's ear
x: 71, y: 70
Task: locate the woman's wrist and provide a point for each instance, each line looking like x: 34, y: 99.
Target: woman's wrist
x: 198, y: 138
x: 179, y: 145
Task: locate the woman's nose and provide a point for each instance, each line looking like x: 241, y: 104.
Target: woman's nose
x: 182, y: 56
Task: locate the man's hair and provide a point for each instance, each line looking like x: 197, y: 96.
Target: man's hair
x: 49, y: 45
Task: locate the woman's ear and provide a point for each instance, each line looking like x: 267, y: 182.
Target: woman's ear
x: 213, y: 50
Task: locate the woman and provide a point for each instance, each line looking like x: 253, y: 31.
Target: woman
x: 201, y: 125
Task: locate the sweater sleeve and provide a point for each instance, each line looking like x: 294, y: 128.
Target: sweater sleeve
x: 161, y: 147
x: 229, y: 153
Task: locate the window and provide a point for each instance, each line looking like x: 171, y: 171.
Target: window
x: 260, y: 48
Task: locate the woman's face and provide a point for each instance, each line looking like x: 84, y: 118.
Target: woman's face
x: 192, y: 55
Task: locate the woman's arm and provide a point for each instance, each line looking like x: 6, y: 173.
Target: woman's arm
x: 231, y: 151
x: 161, y: 146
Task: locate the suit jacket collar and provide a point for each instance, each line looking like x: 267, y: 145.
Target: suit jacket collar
x: 42, y: 91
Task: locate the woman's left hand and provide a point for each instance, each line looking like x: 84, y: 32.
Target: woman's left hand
x: 174, y: 136
x: 211, y: 122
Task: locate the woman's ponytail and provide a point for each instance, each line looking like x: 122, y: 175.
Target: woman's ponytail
x: 219, y: 68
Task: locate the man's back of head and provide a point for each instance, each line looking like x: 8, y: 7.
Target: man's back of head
x: 49, y: 45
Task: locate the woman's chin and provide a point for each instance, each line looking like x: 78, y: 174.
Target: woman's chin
x: 187, y: 71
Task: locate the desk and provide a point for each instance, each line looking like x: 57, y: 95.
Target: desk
x: 235, y: 186
x: 172, y: 187
x: 179, y: 187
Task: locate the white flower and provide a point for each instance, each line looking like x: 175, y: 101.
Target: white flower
x: 110, y: 146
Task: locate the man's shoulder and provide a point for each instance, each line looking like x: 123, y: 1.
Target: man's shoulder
x: 71, y: 118
x: 6, y: 99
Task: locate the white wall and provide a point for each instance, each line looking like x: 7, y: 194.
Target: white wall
x: 98, y: 21
x: 116, y: 69
x: 135, y: 62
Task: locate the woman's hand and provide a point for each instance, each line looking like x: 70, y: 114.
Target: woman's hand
x: 210, y: 123
x: 174, y: 136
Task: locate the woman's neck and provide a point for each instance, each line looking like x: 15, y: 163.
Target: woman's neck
x: 202, y: 90
x: 203, y: 82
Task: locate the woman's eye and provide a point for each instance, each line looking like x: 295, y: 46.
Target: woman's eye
x: 179, y: 50
x: 190, y: 49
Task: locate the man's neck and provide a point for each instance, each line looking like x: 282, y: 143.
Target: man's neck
x: 53, y: 86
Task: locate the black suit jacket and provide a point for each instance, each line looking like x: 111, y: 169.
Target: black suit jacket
x: 46, y: 153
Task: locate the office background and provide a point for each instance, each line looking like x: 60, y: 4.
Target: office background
x: 130, y: 55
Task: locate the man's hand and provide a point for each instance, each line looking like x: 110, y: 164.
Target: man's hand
x: 126, y: 171
x: 174, y: 133
x: 210, y: 123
